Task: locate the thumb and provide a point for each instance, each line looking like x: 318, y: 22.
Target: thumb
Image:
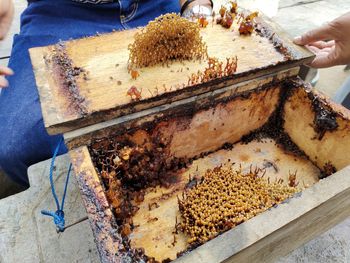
x: 322, y: 33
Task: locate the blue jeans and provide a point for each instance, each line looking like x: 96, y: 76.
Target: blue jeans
x: 23, y: 138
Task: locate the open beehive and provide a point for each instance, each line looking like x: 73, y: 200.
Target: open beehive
x: 290, y: 130
x: 136, y: 173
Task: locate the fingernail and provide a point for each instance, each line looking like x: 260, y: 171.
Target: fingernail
x: 297, y: 40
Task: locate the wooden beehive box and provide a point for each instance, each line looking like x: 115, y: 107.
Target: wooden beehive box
x: 85, y: 81
x: 262, y: 116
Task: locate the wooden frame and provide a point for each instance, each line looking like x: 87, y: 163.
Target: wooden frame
x: 96, y: 96
x: 84, y: 136
x: 263, y: 238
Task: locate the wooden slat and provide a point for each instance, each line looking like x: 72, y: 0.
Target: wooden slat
x: 104, y: 99
x: 84, y: 136
x: 96, y: 204
x: 320, y: 150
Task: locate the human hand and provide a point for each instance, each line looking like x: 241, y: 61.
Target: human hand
x: 330, y: 42
x: 6, y: 16
x: 4, y: 71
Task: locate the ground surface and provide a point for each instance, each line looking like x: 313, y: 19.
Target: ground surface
x: 26, y: 236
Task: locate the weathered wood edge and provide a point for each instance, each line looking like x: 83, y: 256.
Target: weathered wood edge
x: 100, y: 216
x: 83, y: 136
x: 280, y: 37
x: 278, y: 231
x: 45, y: 83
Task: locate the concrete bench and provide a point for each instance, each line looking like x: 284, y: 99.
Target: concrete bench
x: 27, y: 236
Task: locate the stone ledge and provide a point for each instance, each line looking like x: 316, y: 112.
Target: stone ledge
x: 27, y: 236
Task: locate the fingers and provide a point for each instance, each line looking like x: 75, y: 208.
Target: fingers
x: 322, y: 60
x: 3, y: 82
x: 323, y: 44
x: 317, y: 50
x: 324, y: 57
x: 313, y: 49
x: 322, y: 33
x: 5, y: 71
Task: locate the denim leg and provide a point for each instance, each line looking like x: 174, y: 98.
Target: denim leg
x: 23, y: 138
x: 140, y: 12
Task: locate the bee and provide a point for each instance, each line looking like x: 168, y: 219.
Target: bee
x: 134, y: 74
x: 134, y: 93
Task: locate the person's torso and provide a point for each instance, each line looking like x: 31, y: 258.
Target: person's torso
x: 94, y: 1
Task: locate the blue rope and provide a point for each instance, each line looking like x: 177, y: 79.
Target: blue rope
x: 58, y: 216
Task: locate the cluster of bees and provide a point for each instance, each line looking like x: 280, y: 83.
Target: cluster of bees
x: 246, y: 26
x: 171, y: 37
x: 215, y: 69
x: 225, y: 198
x: 227, y: 16
x: 168, y: 37
x: 127, y: 169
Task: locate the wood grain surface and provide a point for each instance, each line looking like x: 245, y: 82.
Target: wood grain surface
x: 274, y: 232
x: 155, y: 227
x: 104, y: 59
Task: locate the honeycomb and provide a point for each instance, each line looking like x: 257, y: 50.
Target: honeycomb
x: 225, y: 198
x: 168, y: 37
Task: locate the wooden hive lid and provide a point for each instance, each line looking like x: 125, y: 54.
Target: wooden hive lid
x: 88, y: 83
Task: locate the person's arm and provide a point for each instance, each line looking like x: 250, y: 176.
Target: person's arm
x: 197, y: 2
x: 203, y: 7
x: 330, y: 42
x: 6, y: 16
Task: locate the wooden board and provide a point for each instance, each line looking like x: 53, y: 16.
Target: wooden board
x: 96, y: 204
x: 295, y: 220
x: 156, y: 236
x: 263, y: 238
x: 101, y: 94
x: 320, y: 150
x: 84, y: 136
